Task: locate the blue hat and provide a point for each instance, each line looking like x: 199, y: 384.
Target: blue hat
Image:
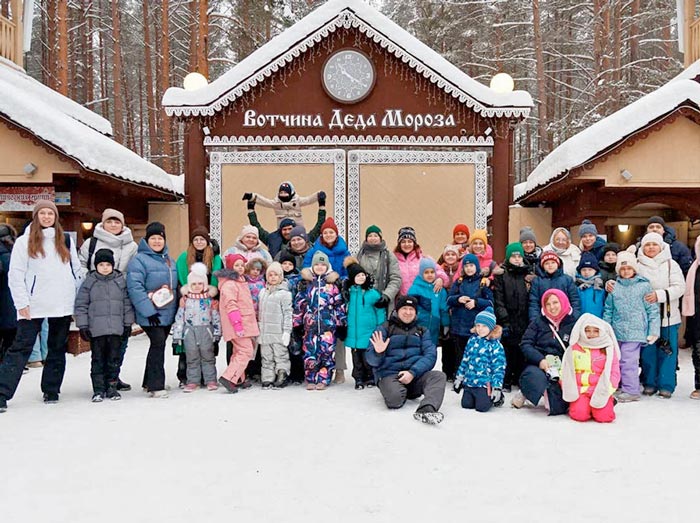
x: 486, y: 317
x: 287, y: 222
x: 425, y: 263
x: 588, y: 260
x: 471, y: 258
x: 587, y: 227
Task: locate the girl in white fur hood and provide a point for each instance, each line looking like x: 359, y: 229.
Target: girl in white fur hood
x: 590, y: 370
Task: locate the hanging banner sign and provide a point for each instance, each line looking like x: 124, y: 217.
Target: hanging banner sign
x: 24, y: 197
x: 340, y: 120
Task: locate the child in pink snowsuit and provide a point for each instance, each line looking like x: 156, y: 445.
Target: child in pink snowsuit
x: 238, y: 321
x: 590, y: 370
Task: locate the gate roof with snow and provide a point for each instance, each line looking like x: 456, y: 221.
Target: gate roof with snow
x: 317, y: 26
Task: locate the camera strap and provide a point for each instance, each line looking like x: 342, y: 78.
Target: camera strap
x: 556, y: 335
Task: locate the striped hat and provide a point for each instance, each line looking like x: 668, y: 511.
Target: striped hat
x: 487, y: 318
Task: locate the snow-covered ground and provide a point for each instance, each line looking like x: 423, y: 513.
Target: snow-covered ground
x: 338, y: 455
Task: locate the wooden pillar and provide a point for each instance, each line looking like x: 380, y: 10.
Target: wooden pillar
x: 18, y: 19
x: 503, y: 179
x: 195, y: 174
x: 689, y: 18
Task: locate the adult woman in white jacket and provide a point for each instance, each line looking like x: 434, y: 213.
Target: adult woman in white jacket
x: 44, y: 276
x: 666, y: 277
x: 570, y: 254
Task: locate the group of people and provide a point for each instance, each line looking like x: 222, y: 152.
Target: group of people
x: 568, y: 324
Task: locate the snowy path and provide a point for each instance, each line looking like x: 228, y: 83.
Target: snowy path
x: 339, y: 455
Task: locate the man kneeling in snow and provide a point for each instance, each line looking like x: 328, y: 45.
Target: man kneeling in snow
x: 402, y: 355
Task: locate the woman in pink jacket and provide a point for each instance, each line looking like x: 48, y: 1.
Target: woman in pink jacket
x: 238, y: 321
x: 409, y: 255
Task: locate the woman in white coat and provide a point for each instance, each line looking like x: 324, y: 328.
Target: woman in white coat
x: 570, y: 254
x: 44, y: 275
x: 666, y: 278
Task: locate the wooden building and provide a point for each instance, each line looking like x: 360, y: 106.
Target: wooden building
x: 54, y: 148
x: 348, y: 102
x: 641, y: 161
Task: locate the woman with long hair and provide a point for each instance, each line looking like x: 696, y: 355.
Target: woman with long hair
x: 43, y: 278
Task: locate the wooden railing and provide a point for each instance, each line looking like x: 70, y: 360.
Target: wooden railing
x: 693, y: 46
x: 8, y: 42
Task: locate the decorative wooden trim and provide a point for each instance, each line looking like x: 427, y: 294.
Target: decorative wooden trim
x: 335, y: 140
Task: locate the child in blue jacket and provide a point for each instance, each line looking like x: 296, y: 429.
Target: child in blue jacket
x: 483, y: 367
x: 466, y: 299
x: 363, y: 319
x: 433, y: 311
x: 590, y: 285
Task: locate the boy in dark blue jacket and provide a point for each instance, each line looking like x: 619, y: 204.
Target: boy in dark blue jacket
x: 402, y: 356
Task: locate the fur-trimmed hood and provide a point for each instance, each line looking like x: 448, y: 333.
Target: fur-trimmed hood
x: 213, y: 291
x: 228, y: 274
x: 308, y: 275
x: 495, y: 334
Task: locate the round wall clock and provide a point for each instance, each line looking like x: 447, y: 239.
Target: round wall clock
x: 348, y: 76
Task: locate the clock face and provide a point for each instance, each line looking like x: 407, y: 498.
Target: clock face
x: 348, y: 76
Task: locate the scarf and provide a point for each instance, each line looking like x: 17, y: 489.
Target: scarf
x: 584, y: 283
x: 605, y: 340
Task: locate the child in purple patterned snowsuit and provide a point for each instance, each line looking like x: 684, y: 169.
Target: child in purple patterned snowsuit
x: 319, y: 316
x: 255, y: 276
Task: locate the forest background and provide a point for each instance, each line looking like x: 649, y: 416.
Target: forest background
x: 580, y: 59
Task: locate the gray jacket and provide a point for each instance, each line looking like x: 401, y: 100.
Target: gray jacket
x: 383, y: 266
x: 274, y: 313
x: 103, y: 305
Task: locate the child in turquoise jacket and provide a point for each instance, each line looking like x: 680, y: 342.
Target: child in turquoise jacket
x: 433, y: 311
x: 363, y: 319
x: 590, y: 286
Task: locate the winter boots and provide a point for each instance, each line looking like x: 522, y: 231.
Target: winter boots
x: 228, y: 385
x: 281, y: 380
x: 428, y: 414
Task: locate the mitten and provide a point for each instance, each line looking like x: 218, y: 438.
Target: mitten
x: 251, y: 205
x: 497, y: 397
x: 383, y: 302
x: 154, y: 320
x: 85, y: 334
x: 236, y: 322
x: 177, y: 347
x: 285, y: 339
x: 341, y: 332
x: 458, y: 385
x: 321, y: 198
x: 127, y: 331
x: 298, y: 331
x: 247, y: 196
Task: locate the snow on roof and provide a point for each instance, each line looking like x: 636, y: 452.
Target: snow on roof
x: 54, y: 119
x: 585, y: 145
x: 691, y: 72
x: 17, y: 76
x: 317, y: 25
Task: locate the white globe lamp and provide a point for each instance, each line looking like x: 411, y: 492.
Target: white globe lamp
x: 502, y: 83
x: 194, y: 81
